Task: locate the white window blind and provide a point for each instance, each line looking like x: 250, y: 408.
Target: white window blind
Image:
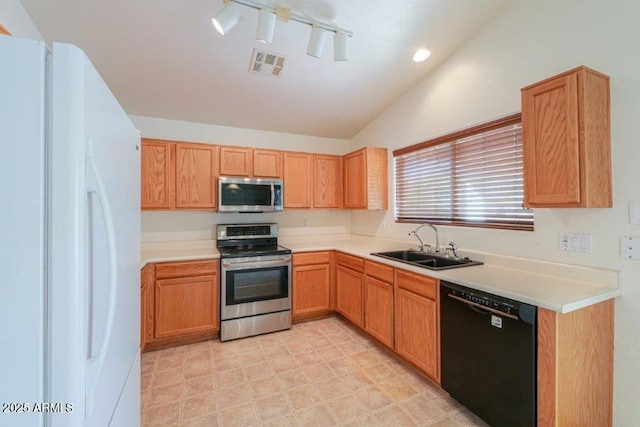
x: 474, y: 178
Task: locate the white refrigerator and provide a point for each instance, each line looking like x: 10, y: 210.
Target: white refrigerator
x: 69, y: 243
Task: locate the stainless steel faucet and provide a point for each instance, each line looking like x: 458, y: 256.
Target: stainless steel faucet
x: 415, y: 233
x: 453, y: 248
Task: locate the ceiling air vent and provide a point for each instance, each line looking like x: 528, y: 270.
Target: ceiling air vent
x: 267, y: 63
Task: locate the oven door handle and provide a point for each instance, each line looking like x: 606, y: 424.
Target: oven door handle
x: 251, y: 265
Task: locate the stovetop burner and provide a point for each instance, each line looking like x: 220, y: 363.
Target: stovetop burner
x: 251, y: 251
x: 249, y: 240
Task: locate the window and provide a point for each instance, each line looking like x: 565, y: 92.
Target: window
x: 472, y: 178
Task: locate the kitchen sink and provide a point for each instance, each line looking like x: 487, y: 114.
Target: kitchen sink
x: 427, y: 260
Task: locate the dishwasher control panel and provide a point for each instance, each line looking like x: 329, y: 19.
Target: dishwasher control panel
x: 493, y: 302
x: 490, y: 302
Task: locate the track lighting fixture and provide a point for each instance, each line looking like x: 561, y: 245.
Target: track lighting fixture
x: 227, y: 18
x: 231, y: 14
x: 316, y: 42
x: 266, y: 26
x: 340, y: 52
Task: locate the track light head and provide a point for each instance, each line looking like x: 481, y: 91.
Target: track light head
x: 227, y: 18
x: 266, y: 26
x: 340, y: 52
x: 316, y: 41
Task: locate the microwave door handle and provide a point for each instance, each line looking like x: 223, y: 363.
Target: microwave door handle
x: 273, y: 196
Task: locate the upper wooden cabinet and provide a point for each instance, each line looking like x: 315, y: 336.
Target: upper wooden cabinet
x: 246, y: 161
x: 182, y: 175
x: 267, y: 163
x: 365, y: 179
x: 298, y: 180
x: 158, y: 174
x: 178, y: 175
x: 236, y: 161
x: 196, y: 173
x: 327, y: 181
x: 567, y: 141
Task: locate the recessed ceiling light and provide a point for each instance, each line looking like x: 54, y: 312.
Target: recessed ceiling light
x: 421, y: 55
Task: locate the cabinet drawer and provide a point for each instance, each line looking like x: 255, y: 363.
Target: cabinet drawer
x: 350, y: 261
x: 309, y: 258
x: 379, y: 271
x: 418, y: 284
x: 185, y: 269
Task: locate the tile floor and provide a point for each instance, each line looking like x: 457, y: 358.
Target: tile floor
x: 319, y: 373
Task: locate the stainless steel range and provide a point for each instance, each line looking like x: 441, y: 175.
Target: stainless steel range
x: 255, y: 295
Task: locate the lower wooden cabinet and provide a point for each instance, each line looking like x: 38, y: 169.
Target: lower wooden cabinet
x: 186, y: 305
x: 350, y: 294
x: 379, y: 310
x: 311, y: 284
x: 146, y: 305
x: 575, y: 366
x: 417, y: 329
x: 378, y: 302
x: 180, y: 303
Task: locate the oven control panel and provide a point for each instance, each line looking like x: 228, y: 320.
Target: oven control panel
x: 246, y: 231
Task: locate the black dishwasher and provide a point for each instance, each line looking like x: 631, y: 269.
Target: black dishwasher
x: 488, y: 346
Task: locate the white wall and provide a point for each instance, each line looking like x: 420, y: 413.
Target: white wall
x: 527, y: 42
x: 16, y: 20
x: 195, y: 225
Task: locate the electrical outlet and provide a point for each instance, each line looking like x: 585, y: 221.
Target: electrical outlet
x: 354, y: 221
x: 630, y: 247
x: 576, y: 242
x: 382, y: 225
x: 305, y: 222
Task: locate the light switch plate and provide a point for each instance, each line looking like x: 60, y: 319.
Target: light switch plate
x: 634, y: 212
x: 630, y: 247
x: 576, y: 242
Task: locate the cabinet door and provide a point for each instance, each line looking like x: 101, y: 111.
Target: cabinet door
x: 298, y: 180
x: 196, y: 174
x: 365, y: 179
x: 146, y: 305
x: 158, y: 174
x: 551, y: 142
x: 310, y: 290
x: 575, y: 366
x: 350, y: 295
x: 378, y: 310
x: 416, y: 331
x: 186, y: 305
x: 327, y: 177
x: 355, y: 180
x: 236, y: 161
x: 267, y: 163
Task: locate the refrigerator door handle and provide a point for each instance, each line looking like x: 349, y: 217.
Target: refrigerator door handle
x: 96, y: 362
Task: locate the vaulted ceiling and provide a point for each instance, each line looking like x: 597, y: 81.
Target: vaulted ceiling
x: 163, y: 58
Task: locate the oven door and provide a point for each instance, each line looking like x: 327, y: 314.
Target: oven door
x: 255, y: 285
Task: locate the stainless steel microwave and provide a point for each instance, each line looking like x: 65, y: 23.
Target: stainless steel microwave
x: 236, y: 194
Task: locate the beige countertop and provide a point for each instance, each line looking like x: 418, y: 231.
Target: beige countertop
x: 554, y: 286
